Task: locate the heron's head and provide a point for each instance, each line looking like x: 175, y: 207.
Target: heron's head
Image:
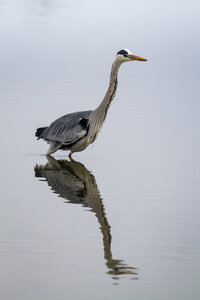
x: 126, y: 55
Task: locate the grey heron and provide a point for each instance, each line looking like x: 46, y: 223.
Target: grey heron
x: 75, y: 131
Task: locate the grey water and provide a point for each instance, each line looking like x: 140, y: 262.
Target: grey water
x: 122, y: 220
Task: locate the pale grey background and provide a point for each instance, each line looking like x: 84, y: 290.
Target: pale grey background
x: 55, y: 58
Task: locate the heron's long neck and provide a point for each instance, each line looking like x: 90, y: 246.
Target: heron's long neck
x: 99, y: 114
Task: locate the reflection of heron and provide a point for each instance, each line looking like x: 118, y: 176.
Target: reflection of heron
x: 72, y: 181
x: 77, y: 130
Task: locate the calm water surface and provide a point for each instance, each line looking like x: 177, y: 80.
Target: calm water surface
x: 122, y: 220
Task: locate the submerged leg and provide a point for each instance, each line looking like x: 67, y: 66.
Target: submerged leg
x: 53, y: 147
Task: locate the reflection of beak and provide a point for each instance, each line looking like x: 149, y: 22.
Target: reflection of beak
x: 134, y: 57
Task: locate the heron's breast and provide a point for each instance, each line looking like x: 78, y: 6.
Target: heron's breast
x: 80, y: 145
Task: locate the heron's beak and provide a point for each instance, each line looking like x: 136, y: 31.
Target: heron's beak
x: 134, y: 57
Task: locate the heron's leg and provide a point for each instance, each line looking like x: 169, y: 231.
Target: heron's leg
x: 53, y: 147
x: 70, y: 155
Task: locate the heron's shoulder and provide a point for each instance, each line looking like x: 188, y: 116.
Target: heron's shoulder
x: 79, y: 114
x: 75, y: 116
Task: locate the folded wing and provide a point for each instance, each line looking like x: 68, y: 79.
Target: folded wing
x: 68, y: 129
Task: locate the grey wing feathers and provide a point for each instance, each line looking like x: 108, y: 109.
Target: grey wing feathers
x: 67, y: 129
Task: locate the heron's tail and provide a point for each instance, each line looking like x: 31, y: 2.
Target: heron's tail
x: 39, y: 132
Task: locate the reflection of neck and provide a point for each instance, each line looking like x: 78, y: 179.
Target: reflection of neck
x: 94, y: 201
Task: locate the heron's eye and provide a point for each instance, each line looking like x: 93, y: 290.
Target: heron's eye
x: 125, y: 55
